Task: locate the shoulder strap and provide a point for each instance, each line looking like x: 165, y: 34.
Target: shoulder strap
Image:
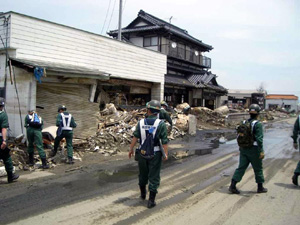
x: 156, y: 124
x: 142, y: 130
x: 253, y: 125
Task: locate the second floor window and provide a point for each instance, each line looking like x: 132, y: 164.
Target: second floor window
x: 150, y: 41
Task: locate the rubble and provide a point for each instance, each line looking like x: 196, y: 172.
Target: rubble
x: 115, y: 131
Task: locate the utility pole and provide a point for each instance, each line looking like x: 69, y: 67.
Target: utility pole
x: 120, y: 22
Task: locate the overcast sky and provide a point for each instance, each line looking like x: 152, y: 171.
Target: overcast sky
x: 255, y: 41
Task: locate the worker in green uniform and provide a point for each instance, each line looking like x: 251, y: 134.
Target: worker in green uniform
x: 296, y: 132
x: 253, y: 154
x: 65, y: 123
x: 34, y: 126
x: 163, y: 114
x: 149, y: 169
x: 4, y: 151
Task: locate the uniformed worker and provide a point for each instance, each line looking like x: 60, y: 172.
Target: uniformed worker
x: 253, y: 155
x: 65, y: 123
x: 164, y: 115
x: 4, y: 151
x: 149, y: 170
x: 34, y: 126
x: 296, y: 132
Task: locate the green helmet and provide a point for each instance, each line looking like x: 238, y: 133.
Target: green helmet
x: 164, y: 103
x: 62, y: 107
x: 254, y: 109
x: 154, y: 106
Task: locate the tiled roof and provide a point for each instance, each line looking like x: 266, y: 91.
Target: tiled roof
x: 206, y: 80
x: 287, y: 97
x: 160, y: 24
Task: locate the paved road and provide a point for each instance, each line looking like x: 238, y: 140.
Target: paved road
x: 193, y: 189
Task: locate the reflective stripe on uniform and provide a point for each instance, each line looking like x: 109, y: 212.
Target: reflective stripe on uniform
x: 66, y: 125
x: 144, y: 128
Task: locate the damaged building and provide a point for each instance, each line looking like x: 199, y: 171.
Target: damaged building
x: 45, y: 64
x: 188, y: 78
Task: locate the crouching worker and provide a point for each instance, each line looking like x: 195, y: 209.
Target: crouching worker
x: 65, y: 123
x: 152, y: 135
x: 4, y: 151
x: 34, y: 126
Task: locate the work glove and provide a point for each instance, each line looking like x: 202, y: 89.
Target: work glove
x: 262, y: 155
x: 296, y: 146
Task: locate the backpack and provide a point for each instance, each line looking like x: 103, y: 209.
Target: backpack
x: 35, y: 121
x: 146, y: 149
x: 245, y: 136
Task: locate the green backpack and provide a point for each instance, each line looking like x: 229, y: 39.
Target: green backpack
x: 245, y: 137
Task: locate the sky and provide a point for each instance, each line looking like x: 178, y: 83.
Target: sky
x: 256, y: 43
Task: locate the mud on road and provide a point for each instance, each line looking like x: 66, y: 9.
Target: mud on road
x: 194, y: 188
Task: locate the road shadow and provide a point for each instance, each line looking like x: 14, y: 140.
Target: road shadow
x: 289, y: 186
x: 243, y: 193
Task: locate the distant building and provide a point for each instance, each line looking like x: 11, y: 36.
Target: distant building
x: 187, y: 78
x: 288, y: 102
x: 243, y: 98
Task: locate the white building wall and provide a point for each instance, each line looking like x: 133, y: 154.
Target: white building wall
x: 280, y: 102
x: 36, y: 39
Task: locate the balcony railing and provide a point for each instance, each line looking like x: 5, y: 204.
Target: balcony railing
x: 186, y: 54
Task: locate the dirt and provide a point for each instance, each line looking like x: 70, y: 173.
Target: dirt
x: 194, y: 188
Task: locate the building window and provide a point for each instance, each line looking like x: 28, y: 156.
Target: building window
x: 150, y: 41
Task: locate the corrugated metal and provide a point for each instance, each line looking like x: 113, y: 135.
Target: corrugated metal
x: 75, y: 97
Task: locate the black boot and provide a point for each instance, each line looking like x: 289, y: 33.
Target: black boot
x: 70, y: 160
x: 295, y: 179
x: 44, y: 164
x: 31, y: 159
x: 11, y: 177
x: 143, y: 192
x: 232, y: 188
x: 151, y: 202
x: 261, y: 189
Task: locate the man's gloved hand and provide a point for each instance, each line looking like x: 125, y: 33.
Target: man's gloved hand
x: 262, y: 155
x: 296, y: 146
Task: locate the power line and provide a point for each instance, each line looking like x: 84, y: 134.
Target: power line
x: 112, y: 13
x: 106, y: 16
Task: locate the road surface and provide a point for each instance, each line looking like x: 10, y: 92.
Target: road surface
x: 194, y: 189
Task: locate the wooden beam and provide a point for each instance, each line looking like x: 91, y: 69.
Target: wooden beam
x: 129, y: 83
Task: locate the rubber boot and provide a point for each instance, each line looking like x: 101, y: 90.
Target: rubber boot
x: 44, y: 164
x: 143, y: 192
x: 11, y: 177
x: 232, y: 188
x: 295, y: 179
x: 70, y: 160
x: 31, y: 159
x: 261, y: 189
x: 151, y: 202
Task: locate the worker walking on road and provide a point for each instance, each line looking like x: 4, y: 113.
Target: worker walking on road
x: 296, y: 132
x: 4, y: 151
x: 65, y: 123
x: 150, y: 132
x: 250, y: 140
x: 34, y: 126
x: 163, y: 114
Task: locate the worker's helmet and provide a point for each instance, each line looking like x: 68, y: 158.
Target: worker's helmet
x: 254, y: 109
x: 62, y: 107
x: 163, y: 103
x: 154, y: 106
